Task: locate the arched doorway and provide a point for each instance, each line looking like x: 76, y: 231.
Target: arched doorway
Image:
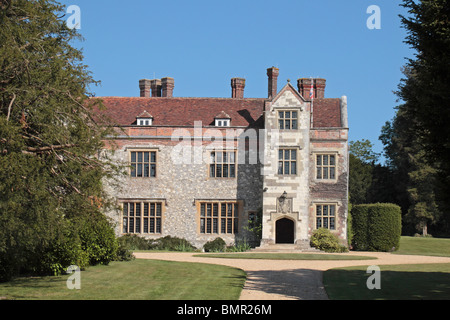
x: 284, y: 231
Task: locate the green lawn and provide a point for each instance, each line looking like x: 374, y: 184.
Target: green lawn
x: 138, y: 280
x: 424, y: 246
x: 283, y: 256
x: 398, y: 282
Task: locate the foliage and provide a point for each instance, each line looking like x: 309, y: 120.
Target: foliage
x: 255, y: 225
x: 417, y: 141
x: 51, y: 172
x: 324, y: 240
x: 173, y: 244
x: 169, y: 243
x: 376, y: 227
x: 216, y: 245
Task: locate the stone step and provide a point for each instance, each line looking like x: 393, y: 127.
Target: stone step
x: 288, y: 248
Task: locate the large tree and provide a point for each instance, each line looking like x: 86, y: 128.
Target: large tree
x: 51, y: 173
x: 426, y: 95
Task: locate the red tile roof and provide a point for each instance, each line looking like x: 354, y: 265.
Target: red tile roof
x: 246, y: 112
x: 184, y: 111
x: 327, y: 113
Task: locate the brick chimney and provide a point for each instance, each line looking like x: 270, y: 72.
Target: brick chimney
x: 304, y: 87
x: 144, y: 86
x: 272, y: 73
x: 237, y: 88
x: 155, y: 85
x: 167, y: 85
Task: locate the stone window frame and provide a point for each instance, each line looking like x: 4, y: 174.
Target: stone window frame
x: 328, y: 216
x: 284, y: 160
x: 326, y: 166
x: 216, y: 223
x: 212, y: 164
x: 150, y: 163
x: 290, y: 118
x: 146, y: 217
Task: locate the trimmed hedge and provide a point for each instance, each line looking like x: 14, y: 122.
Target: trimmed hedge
x: 376, y: 227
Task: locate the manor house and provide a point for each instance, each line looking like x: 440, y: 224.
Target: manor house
x: 202, y: 168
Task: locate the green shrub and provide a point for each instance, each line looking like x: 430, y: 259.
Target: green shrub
x: 216, y: 245
x: 173, y: 244
x: 324, y: 240
x: 135, y: 242
x: 376, y: 227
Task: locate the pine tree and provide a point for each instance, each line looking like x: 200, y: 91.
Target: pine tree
x: 51, y: 173
x: 425, y: 92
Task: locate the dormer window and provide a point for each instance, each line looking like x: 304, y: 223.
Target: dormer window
x: 222, y: 120
x: 144, y: 119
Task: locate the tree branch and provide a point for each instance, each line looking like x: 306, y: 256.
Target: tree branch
x: 10, y: 106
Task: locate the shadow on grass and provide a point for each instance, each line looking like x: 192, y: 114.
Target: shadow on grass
x: 299, y: 284
x: 345, y: 284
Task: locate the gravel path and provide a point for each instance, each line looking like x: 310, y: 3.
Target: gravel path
x: 291, y: 279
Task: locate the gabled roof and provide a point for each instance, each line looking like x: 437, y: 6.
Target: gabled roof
x: 145, y: 114
x: 222, y: 115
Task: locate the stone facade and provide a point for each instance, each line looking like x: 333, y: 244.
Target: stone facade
x: 182, y: 143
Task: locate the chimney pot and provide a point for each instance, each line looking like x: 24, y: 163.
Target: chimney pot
x: 304, y: 87
x: 237, y: 88
x: 272, y: 73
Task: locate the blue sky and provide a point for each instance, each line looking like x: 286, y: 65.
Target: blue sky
x: 203, y: 44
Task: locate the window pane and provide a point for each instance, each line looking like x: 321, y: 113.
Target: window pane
x: 325, y: 223
x: 281, y: 124
x: 125, y: 209
x: 293, y: 154
x: 153, y: 170
x: 138, y: 225
x: 152, y: 225
x: 213, y: 157
x: 225, y: 171
x: 131, y: 209
x: 287, y: 154
x: 280, y: 154
x: 158, y: 209
x: 145, y: 225
x: 202, y: 225
x: 280, y: 167
x: 219, y: 157
x: 158, y: 225
x: 325, y: 160
x: 139, y: 156
x: 133, y: 170
x: 332, y: 224
x: 215, y: 226
x: 223, y: 210
x: 153, y: 156
x: 232, y: 157
x: 146, y: 156
x: 215, y: 209
x: 325, y: 173
x: 332, y: 173
x: 294, y: 114
x: 208, y: 225
x: 138, y: 209
x: 287, y: 124
x: 146, y: 170
x: 146, y: 209
x: 223, y: 225
x: 131, y: 229
x: 125, y: 225
x: 230, y: 210
x: 319, y: 173
x: 139, y: 170
x: 208, y: 209
x: 202, y: 210
x: 332, y: 210
x: 212, y: 171
x: 319, y: 160
x: 225, y: 157
x: 133, y: 157
x: 280, y: 114
x: 325, y: 210
x: 219, y: 170
x: 319, y: 222
x: 294, y: 125
x: 232, y: 171
x: 229, y: 225
x: 287, y: 114
x: 286, y: 167
x: 152, y: 209
x: 293, y: 167
x: 332, y: 160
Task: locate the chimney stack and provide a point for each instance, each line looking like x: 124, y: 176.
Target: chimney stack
x: 237, y: 88
x: 155, y: 84
x: 272, y: 73
x: 304, y: 87
x: 167, y: 85
x: 144, y: 86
